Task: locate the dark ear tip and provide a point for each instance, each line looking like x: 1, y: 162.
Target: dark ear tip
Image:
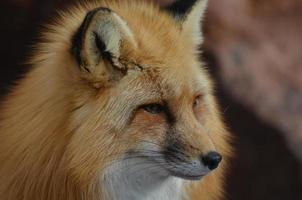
x: 181, y: 7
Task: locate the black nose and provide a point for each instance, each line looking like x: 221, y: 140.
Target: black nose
x: 212, y: 160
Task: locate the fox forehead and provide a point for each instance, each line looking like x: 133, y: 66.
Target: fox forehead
x: 169, y: 59
x: 169, y: 56
x: 167, y: 79
x: 165, y: 84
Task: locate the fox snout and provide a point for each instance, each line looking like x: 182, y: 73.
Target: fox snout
x: 191, y: 162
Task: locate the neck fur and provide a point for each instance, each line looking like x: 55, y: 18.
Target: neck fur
x: 123, y: 182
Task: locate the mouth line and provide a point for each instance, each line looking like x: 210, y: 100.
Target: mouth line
x: 179, y: 174
x: 187, y: 176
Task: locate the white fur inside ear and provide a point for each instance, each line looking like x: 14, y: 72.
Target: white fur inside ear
x: 192, y: 24
x: 98, y: 45
x: 112, y: 30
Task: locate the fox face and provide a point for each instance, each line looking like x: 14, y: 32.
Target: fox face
x: 124, y: 106
x: 152, y: 109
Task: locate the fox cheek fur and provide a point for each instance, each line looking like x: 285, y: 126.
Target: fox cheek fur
x: 116, y: 106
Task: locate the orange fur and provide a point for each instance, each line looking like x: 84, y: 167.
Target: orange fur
x: 59, y: 131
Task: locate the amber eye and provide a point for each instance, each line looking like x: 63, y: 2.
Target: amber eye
x: 153, y: 108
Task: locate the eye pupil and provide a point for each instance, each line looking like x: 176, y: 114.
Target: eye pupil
x: 153, y: 108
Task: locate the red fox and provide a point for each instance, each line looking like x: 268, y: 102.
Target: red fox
x: 116, y: 106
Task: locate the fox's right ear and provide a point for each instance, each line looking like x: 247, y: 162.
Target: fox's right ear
x: 97, y: 46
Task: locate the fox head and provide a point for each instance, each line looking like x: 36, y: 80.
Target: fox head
x: 140, y: 103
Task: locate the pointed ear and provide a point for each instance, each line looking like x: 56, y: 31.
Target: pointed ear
x: 97, y: 46
x: 189, y: 14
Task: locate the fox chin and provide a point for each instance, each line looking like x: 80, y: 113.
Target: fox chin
x: 116, y: 106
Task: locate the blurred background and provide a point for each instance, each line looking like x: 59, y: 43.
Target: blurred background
x: 254, y: 51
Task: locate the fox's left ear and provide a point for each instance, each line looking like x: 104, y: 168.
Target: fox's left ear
x: 189, y: 14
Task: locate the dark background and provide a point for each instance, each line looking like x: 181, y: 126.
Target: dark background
x: 266, y: 165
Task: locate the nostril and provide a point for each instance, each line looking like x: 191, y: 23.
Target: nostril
x: 212, y: 160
